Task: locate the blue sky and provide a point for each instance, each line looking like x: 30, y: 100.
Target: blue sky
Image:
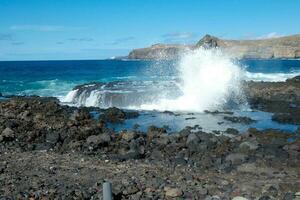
x: 96, y: 29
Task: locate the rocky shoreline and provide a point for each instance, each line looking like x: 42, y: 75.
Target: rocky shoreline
x: 51, y: 151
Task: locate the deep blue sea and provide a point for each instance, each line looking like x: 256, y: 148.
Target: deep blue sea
x: 58, y: 78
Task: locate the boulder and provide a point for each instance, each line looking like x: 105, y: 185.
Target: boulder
x: 246, y: 147
x: 154, y: 132
x: 98, y: 140
x: 192, y: 139
x: 7, y: 134
x: 172, y: 192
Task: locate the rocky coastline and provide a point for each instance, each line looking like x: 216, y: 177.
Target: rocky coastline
x: 52, y: 151
x: 287, y: 47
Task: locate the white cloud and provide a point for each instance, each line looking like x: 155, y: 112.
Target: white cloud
x: 270, y: 35
x: 42, y: 28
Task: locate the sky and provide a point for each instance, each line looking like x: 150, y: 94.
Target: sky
x: 98, y: 29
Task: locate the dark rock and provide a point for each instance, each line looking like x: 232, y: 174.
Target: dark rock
x: 154, y: 131
x: 116, y: 115
x: 232, y: 131
x: 113, y: 115
x: 290, y: 118
x: 79, y: 115
x: 192, y: 138
x: 208, y: 42
x: 289, y: 196
x: 272, y: 191
x: 96, y: 141
x: 7, y: 135
x: 218, y: 112
x: 53, y: 137
x: 242, y: 120
x: 190, y: 118
x: 265, y: 198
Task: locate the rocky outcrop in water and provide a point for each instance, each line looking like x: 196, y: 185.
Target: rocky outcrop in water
x: 283, y: 47
x: 49, y: 151
x: 280, y: 98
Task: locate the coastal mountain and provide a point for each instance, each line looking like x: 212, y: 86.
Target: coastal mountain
x: 282, y: 47
x: 159, y: 51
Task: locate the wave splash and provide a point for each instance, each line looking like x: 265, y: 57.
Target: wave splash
x: 209, y: 80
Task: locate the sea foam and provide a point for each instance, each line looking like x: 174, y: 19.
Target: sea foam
x: 208, y: 80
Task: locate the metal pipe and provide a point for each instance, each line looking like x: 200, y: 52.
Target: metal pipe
x: 107, y: 191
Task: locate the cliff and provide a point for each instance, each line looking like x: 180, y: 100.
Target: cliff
x: 158, y: 51
x: 283, y: 47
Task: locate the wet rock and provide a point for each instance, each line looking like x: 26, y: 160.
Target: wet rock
x: 116, y: 115
x: 218, y: 112
x: 113, y: 115
x: 232, y: 131
x: 241, y: 120
x: 172, y: 192
x: 290, y: 118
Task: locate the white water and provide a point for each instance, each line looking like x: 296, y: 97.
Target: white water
x: 270, y: 77
x: 209, y: 79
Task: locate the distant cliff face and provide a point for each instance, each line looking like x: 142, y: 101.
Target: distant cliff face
x: 158, y: 51
x: 283, y: 47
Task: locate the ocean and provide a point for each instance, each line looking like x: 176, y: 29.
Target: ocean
x: 57, y: 78
x: 198, y: 82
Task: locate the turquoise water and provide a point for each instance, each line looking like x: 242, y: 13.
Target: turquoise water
x: 57, y: 78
